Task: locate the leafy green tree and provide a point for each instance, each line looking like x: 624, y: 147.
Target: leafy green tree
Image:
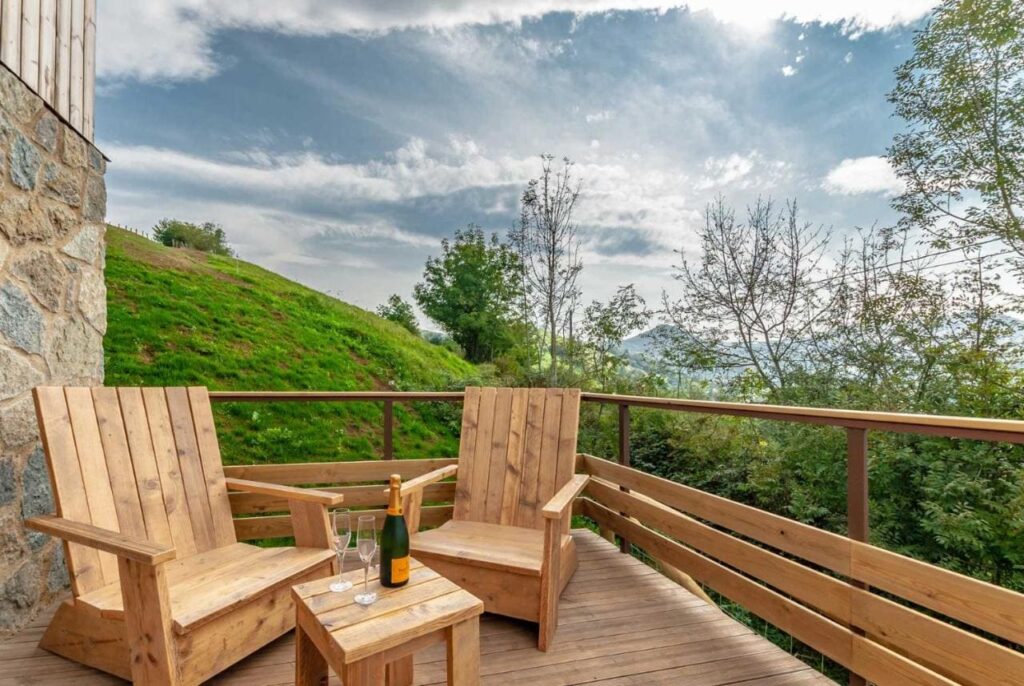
x: 206, y: 237
x: 399, y: 312
x: 471, y: 291
x: 606, y: 325
x: 962, y: 96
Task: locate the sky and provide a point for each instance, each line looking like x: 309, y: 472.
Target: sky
x: 338, y: 142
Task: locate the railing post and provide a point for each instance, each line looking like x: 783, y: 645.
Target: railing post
x: 857, y: 501
x: 389, y: 430
x: 624, y: 458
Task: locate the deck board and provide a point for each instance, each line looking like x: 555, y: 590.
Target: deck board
x: 621, y: 624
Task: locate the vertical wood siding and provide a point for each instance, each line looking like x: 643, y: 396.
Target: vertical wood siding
x: 51, y: 46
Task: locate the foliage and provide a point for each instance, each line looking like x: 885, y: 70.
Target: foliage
x: 178, y: 318
x: 471, y: 291
x: 962, y: 96
x: 400, y: 312
x: 206, y: 237
x: 605, y: 326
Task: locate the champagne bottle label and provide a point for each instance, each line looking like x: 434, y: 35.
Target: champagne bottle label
x: 400, y: 570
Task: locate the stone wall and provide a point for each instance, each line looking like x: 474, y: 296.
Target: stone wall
x: 53, y: 310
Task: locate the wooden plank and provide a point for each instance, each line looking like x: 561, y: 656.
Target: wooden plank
x: 112, y: 542
x: 146, y: 473
x: 879, y: 664
x: 119, y: 463
x: 62, y: 65
x: 481, y: 455
x: 148, y: 624
x: 336, y: 472
x: 546, y: 475
x: 354, y: 496
x: 94, y: 469
x: 89, y: 69
x: 10, y: 35
x: 47, y: 49
x: 535, y: 411
x: 499, y: 456
x: 191, y: 468
x: 29, y: 69
x: 467, y: 451
x: 463, y: 652
x: 68, y: 485
x: 514, y: 462
x: 172, y: 486
x: 213, y: 470
x: 568, y: 433
x: 77, y: 84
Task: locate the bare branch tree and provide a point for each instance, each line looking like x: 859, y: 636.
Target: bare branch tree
x: 547, y: 242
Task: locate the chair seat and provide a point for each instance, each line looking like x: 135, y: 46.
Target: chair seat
x: 495, y: 546
x: 210, y: 584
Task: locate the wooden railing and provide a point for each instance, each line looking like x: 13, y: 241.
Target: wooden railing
x: 835, y: 609
x: 811, y: 583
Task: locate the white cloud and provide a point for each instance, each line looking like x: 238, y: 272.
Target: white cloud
x: 172, y: 39
x: 863, y: 175
x: 788, y: 70
x: 848, y: 58
x: 601, y: 116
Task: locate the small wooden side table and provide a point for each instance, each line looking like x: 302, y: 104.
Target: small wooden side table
x: 370, y: 646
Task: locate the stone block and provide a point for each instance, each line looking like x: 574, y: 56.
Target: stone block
x: 12, y: 546
x: 17, y: 99
x: 75, y: 354
x: 19, y: 594
x: 92, y: 298
x: 19, y: 223
x: 73, y: 151
x: 58, y: 578
x: 8, y: 484
x: 17, y: 375
x: 61, y: 184
x: 24, y: 160
x: 96, y: 161
x: 21, y: 321
x: 45, y: 276
x: 47, y: 130
x: 95, y: 208
x: 87, y: 244
x: 37, y: 499
x: 18, y: 425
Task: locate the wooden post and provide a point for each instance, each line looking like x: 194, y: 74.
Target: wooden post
x: 389, y: 430
x: 624, y: 458
x: 857, y: 501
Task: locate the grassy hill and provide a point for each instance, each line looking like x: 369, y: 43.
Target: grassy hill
x: 180, y: 317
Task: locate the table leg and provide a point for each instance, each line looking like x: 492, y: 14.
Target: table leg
x: 310, y: 665
x: 400, y: 672
x: 368, y: 672
x: 463, y: 641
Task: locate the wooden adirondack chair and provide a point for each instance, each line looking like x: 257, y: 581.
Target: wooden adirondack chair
x: 162, y: 591
x: 508, y: 542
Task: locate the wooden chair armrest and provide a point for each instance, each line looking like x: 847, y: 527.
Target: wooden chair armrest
x: 561, y: 502
x: 102, y: 539
x: 305, y: 495
x: 420, y: 482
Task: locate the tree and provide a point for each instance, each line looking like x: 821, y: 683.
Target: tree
x: 962, y: 95
x: 207, y: 237
x: 605, y: 326
x: 751, y: 302
x: 547, y: 243
x: 471, y: 291
x: 399, y: 312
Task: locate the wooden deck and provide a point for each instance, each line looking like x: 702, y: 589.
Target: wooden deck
x: 621, y: 623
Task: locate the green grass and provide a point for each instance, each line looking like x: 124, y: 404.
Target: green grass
x: 180, y: 317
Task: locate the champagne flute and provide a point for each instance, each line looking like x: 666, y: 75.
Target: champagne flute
x: 342, y: 521
x: 366, y: 544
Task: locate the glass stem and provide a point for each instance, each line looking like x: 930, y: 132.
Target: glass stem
x: 341, y: 564
x: 366, y: 577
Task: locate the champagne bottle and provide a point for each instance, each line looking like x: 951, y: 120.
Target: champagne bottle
x: 394, y: 540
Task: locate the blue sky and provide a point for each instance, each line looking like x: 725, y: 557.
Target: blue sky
x: 337, y: 143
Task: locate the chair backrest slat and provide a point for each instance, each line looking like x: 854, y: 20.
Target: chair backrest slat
x: 143, y: 462
x: 518, y: 447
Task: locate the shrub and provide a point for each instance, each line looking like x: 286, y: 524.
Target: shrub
x: 206, y: 237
